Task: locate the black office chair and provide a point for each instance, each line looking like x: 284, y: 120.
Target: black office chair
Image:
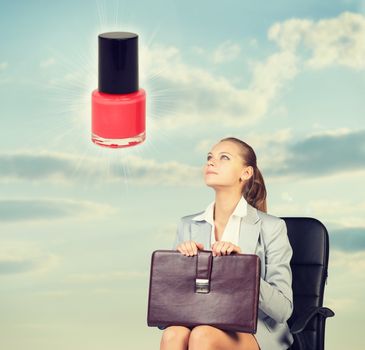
x: 309, y: 240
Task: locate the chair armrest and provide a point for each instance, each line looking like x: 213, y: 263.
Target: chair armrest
x: 302, y: 320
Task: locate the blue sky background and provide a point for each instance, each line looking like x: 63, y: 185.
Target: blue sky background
x: 79, y: 222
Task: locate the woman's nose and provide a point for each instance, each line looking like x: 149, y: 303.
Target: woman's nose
x: 210, y: 162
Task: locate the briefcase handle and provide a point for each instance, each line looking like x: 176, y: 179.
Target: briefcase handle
x: 203, y: 271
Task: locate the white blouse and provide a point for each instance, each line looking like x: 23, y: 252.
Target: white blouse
x: 232, y: 229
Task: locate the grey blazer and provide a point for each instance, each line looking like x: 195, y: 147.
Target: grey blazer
x: 265, y: 235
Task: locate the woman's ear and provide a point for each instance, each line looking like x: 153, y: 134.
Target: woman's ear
x: 247, y: 173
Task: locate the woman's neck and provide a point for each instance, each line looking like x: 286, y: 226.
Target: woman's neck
x: 225, y: 203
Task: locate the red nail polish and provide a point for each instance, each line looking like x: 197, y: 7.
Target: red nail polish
x: 118, y: 105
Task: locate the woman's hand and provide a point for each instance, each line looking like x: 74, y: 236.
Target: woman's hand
x: 189, y: 248
x: 224, y: 248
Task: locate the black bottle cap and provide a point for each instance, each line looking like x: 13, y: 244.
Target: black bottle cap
x: 118, y: 62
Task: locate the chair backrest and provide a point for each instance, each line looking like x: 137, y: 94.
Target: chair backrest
x: 310, y: 243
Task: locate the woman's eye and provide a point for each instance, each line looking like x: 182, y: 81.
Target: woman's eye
x: 221, y: 157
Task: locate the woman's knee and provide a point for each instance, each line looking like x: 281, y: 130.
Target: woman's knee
x: 175, y: 334
x: 202, y: 336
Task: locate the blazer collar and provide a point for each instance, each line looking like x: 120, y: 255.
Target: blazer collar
x: 207, y: 215
x: 249, y: 231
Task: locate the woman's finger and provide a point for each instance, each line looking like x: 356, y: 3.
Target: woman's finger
x: 230, y: 249
x: 218, y: 248
x: 192, y: 248
x: 180, y: 249
x: 214, y: 248
x: 187, y: 248
x: 225, y: 246
x: 199, y: 245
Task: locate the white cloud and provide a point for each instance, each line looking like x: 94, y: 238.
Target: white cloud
x: 194, y: 94
x: 269, y: 76
x: 351, y: 213
x: 198, y: 91
x: 18, y: 257
x: 333, y: 41
x: 66, y: 168
x: 288, y: 34
x: 331, y: 132
x: 227, y: 51
x: 270, y: 147
x: 349, y: 263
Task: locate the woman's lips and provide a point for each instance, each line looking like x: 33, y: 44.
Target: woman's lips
x: 211, y: 172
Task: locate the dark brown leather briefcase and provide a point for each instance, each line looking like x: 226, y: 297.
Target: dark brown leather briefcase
x: 220, y: 291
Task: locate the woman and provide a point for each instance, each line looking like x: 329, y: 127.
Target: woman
x: 237, y: 222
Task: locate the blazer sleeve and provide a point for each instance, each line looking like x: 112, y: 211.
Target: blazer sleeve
x: 276, y: 294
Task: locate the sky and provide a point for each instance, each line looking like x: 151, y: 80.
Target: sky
x: 78, y: 222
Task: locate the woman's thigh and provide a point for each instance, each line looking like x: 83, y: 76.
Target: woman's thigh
x: 208, y: 337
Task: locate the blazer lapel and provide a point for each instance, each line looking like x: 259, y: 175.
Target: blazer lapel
x: 249, y: 231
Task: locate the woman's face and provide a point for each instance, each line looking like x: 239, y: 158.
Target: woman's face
x: 224, y: 166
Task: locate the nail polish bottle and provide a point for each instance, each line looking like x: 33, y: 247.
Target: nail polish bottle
x: 118, y: 105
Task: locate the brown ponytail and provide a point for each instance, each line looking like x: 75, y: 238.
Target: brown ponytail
x: 254, y: 190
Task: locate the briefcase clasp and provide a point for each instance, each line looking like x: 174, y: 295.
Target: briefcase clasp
x: 202, y: 285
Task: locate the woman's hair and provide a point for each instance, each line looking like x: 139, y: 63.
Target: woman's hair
x: 254, y: 191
